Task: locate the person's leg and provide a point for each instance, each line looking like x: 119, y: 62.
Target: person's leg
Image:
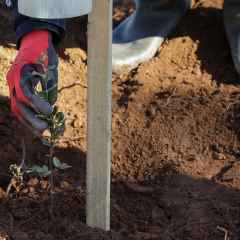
x: 231, y: 18
x: 137, y: 38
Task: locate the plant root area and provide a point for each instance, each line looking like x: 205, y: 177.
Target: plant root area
x: 175, y: 140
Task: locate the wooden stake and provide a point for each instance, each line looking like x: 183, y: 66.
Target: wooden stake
x: 99, y: 114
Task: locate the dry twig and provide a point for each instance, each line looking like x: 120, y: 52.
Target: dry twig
x: 232, y: 104
x: 62, y: 140
x: 197, y: 4
x: 30, y: 219
x: 224, y: 230
x: 9, y: 234
x: 134, y: 188
x: 227, y: 108
x: 168, y: 98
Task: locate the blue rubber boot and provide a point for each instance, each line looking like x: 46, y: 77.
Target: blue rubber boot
x: 231, y: 18
x: 137, y: 38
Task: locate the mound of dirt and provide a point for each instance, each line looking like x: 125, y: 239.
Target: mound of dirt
x: 175, y: 129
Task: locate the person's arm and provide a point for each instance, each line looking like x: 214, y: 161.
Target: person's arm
x: 23, y: 24
x: 33, y: 36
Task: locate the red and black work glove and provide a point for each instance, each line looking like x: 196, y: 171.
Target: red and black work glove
x: 25, y: 103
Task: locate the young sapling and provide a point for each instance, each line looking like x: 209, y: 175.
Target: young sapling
x: 55, y: 121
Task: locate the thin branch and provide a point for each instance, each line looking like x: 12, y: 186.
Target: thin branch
x: 72, y: 85
x: 53, y: 195
x: 168, y: 98
x: 134, y: 188
x: 23, y: 159
x: 227, y: 108
x: 62, y: 140
x: 77, y: 83
x: 224, y: 230
x: 232, y: 104
x: 198, y: 3
x: 51, y: 175
x: 3, y: 225
x: 30, y: 219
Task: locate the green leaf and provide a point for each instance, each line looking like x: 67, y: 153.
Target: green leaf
x: 56, y: 162
x: 45, y: 142
x: 48, y: 130
x: 58, y: 131
x: 55, y: 144
x: 49, y: 68
x: 61, y: 132
x: 63, y: 121
x: 29, y: 170
x: 54, y: 86
x: 55, y: 110
x: 59, y: 117
x: 41, y: 94
x: 45, y: 168
x: 41, y: 61
x: 49, y: 75
x: 64, y: 166
x: 44, y: 57
x: 39, y: 74
x: 32, y: 168
x: 52, y: 96
x: 41, y: 115
x: 46, y: 137
x: 45, y: 174
x: 54, y: 138
x: 39, y: 169
x: 44, y: 53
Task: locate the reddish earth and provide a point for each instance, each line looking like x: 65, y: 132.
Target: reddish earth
x: 186, y: 147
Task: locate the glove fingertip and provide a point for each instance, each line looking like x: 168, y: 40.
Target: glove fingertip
x: 40, y: 127
x: 41, y: 105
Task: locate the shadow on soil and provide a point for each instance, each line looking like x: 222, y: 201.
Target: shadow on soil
x: 181, y: 207
x: 205, y: 27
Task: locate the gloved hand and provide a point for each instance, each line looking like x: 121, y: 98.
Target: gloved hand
x: 25, y: 103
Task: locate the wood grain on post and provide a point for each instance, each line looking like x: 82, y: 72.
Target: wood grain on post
x: 99, y: 114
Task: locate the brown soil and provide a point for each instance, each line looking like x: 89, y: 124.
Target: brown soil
x: 186, y: 147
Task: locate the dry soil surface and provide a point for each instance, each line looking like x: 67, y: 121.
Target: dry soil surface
x: 175, y: 129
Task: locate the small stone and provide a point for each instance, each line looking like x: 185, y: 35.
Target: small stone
x: 80, y: 120
x: 64, y: 185
x: 232, y: 173
x: 160, y: 223
x: 2, y: 193
x: 33, y: 182
x: 193, y: 105
x: 166, y: 231
x: 158, y: 214
x: 219, y: 156
x: 42, y: 236
x: 152, y: 111
x: 3, y: 233
x: 57, y: 189
x: 20, y: 236
x: 113, y: 169
x: 21, y: 214
x: 45, y: 185
x: 31, y: 189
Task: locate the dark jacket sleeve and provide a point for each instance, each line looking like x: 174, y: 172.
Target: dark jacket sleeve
x: 24, y: 24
